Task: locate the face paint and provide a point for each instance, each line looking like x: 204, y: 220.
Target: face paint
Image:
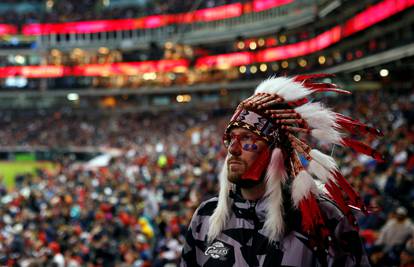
x: 247, y: 141
x: 257, y: 169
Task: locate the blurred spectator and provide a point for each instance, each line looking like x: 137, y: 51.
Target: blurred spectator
x: 397, y: 230
x: 395, y: 233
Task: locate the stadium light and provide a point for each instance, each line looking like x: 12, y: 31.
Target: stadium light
x: 73, y: 97
x: 103, y: 50
x: 322, y: 60
x: 168, y: 45
x: 253, y: 45
x: 261, y: 42
x: 253, y: 69
x: 77, y: 51
x: 384, y: 72
x: 242, y: 69
x: 240, y: 45
x: 19, y: 59
x: 109, y: 102
x: 357, y: 77
x: 149, y: 76
x: 183, y: 98
x: 303, y: 63
x: 263, y: 67
x: 55, y: 52
x: 187, y: 98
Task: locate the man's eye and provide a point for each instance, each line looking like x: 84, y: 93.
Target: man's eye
x: 246, y: 137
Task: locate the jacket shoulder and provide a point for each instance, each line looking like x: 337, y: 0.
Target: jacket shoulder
x: 207, y: 207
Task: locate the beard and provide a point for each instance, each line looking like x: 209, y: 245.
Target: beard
x: 235, y: 173
x: 235, y: 170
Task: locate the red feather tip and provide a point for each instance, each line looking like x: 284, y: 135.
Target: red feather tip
x: 300, y: 78
x: 362, y: 148
x: 354, y: 126
x: 336, y: 90
x: 325, y: 87
x: 313, y: 85
x: 354, y: 198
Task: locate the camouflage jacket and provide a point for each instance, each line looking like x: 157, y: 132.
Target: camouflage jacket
x: 243, y: 243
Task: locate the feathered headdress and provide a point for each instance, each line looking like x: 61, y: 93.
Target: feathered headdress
x: 280, y: 111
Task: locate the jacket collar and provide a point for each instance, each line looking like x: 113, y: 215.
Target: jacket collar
x: 248, y: 209
x: 257, y: 210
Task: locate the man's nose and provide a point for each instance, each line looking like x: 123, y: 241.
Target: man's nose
x: 235, y: 148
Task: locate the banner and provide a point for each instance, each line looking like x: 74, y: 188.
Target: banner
x: 375, y: 14
x: 7, y: 29
x: 96, y: 26
x: 122, y: 68
x: 302, y: 48
x: 260, y: 5
x: 225, y: 60
x: 149, y: 22
x: 33, y: 71
x: 361, y: 21
x: 218, y: 13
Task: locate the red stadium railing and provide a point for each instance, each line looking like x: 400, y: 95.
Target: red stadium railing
x: 155, y: 21
x: 122, y: 68
x: 7, y: 29
x: 260, y: 5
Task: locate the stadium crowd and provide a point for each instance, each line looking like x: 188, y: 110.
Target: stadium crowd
x: 134, y: 211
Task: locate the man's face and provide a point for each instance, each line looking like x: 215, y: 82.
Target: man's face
x: 241, y: 153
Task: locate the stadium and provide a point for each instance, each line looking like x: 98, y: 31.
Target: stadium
x: 112, y: 114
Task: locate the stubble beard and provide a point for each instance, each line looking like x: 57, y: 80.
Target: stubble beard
x: 235, y: 176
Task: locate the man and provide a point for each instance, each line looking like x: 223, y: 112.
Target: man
x: 396, y: 231
x: 269, y: 211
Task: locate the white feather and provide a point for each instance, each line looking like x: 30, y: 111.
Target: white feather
x: 271, y: 85
x: 319, y: 171
x: 221, y: 214
x: 275, y: 176
x: 317, y: 116
x: 302, y: 186
x: 293, y: 91
x: 331, y: 136
x: 326, y: 161
x: 284, y: 87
